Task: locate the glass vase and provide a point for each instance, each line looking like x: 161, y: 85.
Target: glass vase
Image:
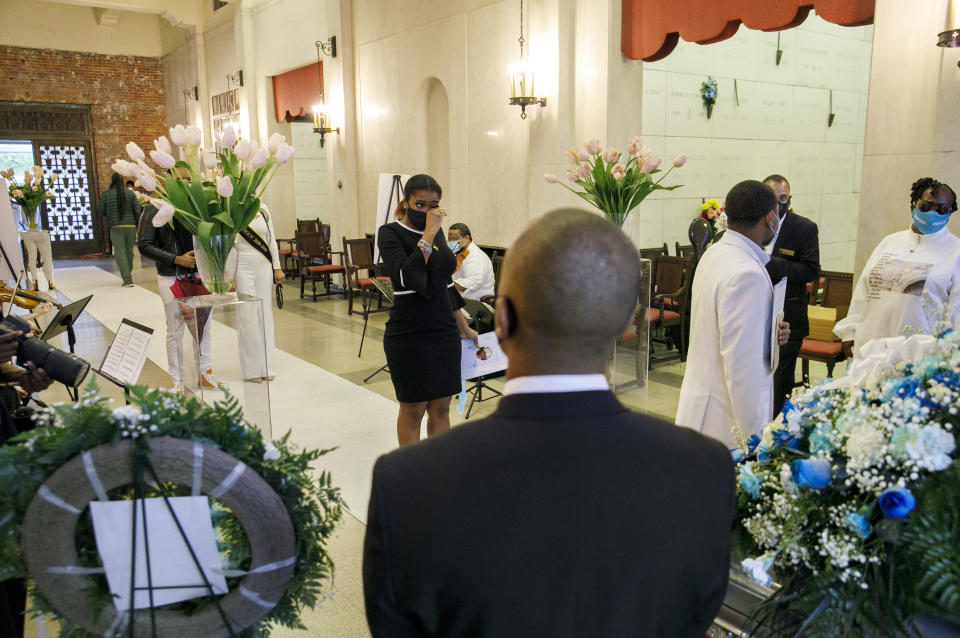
x: 217, y: 270
x: 31, y: 217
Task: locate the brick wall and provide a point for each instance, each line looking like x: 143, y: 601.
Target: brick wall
x: 125, y: 94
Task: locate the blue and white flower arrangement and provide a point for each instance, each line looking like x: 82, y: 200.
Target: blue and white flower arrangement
x: 708, y: 93
x: 850, y: 500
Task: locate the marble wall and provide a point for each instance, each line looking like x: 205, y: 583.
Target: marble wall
x: 912, y: 126
x: 494, y: 180
x: 769, y: 118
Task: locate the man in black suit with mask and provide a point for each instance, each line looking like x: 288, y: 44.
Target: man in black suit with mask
x: 563, y: 514
x: 794, y: 254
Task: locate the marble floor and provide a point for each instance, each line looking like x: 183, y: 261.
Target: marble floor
x: 319, y: 393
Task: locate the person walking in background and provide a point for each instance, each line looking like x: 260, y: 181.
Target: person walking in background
x: 258, y: 270
x: 422, y: 337
x: 119, y: 206
x: 171, y: 247
x: 794, y: 254
x: 481, y: 532
x: 728, y: 381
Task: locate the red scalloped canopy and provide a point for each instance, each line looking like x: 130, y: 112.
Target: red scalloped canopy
x: 295, y: 92
x: 651, y: 28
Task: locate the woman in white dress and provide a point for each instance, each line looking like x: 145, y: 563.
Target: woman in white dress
x: 258, y: 269
x: 912, y: 279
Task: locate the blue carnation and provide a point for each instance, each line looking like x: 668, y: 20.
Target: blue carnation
x: 787, y: 407
x: 811, y: 473
x: 763, y: 452
x: 753, y: 442
x: 947, y: 377
x: 783, y: 438
x: 904, y: 387
x: 897, y: 502
x: 749, y: 481
x: 737, y: 455
x: 820, y: 438
x: 859, y: 524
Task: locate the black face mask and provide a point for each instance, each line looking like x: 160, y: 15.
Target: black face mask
x: 783, y: 207
x: 417, y: 219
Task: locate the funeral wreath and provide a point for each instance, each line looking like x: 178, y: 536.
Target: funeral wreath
x: 271, y: 514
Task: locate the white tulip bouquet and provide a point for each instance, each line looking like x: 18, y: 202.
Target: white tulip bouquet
x: 614, y: 183
x: 215, y: 195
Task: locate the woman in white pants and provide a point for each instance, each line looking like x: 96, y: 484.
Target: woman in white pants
x: 258, y: 269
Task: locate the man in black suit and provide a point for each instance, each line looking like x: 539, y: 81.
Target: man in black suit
x: 794, y: 254
x: 563, y: 514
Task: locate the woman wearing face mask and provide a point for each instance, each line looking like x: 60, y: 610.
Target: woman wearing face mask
x: 422, y: 336
x: 912, y: 279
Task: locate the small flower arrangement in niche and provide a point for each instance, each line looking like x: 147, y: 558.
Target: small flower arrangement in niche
x: 708, y: 92
x: 614, y: 183
x: 852, y: 496
x: 711, y: 211
x: 29, y: 194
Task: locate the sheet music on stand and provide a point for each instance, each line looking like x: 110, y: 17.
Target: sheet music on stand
x: 126, y: 355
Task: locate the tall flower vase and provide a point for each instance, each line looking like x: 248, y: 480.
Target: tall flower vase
x: 629, y: 362
x: 31, y: 217
x: 218, y: 271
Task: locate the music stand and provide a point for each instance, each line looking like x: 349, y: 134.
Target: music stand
x: 64, y: 320
x: 476, y: 392
x: 385, y: 288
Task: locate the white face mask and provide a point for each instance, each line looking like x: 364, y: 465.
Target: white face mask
x: 776, y: 231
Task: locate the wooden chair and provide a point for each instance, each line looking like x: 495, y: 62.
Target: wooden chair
x: 837, y: 292
x: 652, y: 254
x: 287, y: 250
x: 497, y: 262
x: 308, y: 225
x: 670, y: 303
x: 358, y: 256
x: 316, y: 262
x: 685, y: 251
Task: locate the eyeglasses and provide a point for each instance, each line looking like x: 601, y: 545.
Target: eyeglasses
x: 926, y: 207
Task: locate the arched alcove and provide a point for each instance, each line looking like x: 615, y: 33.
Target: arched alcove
x: 438, y: 131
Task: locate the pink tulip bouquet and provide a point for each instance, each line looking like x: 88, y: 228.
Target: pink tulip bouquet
x: 614, y: 183
x: 215, y: 195
x: 29, y: 193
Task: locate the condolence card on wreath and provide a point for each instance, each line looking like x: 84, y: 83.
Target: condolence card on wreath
x: 487, y: 359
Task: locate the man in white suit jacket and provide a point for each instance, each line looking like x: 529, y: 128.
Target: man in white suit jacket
x: 728, y: 379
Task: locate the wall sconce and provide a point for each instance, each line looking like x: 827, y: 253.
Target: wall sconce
x: 192, y: 94
x: 521, y: 80
x: 321, y: 122
x: 329, y: 47
x: 236, y: 78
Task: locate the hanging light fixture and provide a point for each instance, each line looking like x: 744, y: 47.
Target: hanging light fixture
x: 321, y: 117
x: 521, y: 79
x: 951, y: 37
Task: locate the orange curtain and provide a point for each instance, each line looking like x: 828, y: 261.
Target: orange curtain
x: 651, y: 28
x: 295, y: 92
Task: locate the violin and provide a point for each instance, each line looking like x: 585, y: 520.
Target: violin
x: 24, y: 299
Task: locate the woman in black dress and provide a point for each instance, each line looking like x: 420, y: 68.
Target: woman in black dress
x: 422, y: 337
